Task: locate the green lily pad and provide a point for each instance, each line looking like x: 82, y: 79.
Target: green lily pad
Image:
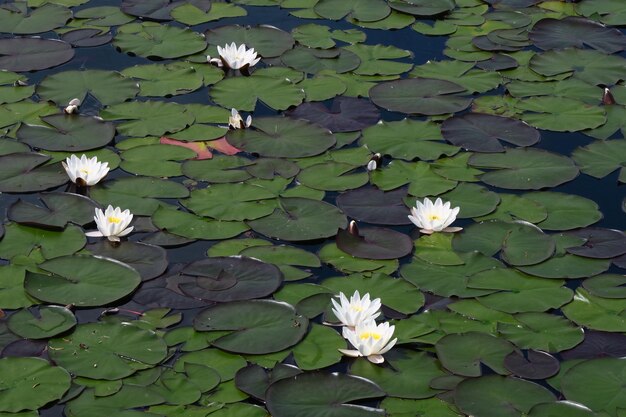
x: 596, y: 313
x: 407, y: 139
x: 231, y: 202
x: 41, y: 323
x: 345, y: 262
x: 149, y: 260
x: 26, y: 172
x: 561, y: 408
x: 81, y: 280
x: 156, y: 160
x: 108, y: 87
x: 195, y: 227
x: 375, y: 243
x: 57, y: 210
x: 148, y: 118
x: 392, y: 291
x: 565, y: 211
x: 255, y: 327
x: 560, y: 113
x: 409, y: 375
x: 420, y: 96
x: 254, y: 379
x: 31, y: 54
x: 497, y: 396
x: 313, y: 61
x: 116, y: 349
x: 23, y: 240
x: 580, y: 384
x: 220, y: 169
x: 332, y: 176
x: 606, y: 286
x: 327, y: 395
x: 475, y: 200
x: 542, y: 331
x: 525, y: 169
x: 67, y: 133
x: 463, y: 354
x: 319, y: 36
x: 599, y: 159
x: 150, y: 39
x: 168, y: 79
x: 12, y: 294
x: 364, y: 10
x: 121, y: 403
x: 244, y: 93
x: 19, y: 20
x: 559, y: 34
x: 267, y: 41
x: 300, y: 219
x: 189, y: 14
x: 30, y: 383
x: 422, y: 180
x: 461, y: 73
x: 591, y: 66
x: 319, y: 348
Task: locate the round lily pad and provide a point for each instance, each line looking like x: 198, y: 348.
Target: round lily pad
x: 42, y: 322
x: 81, y: 280
x: 151, y: 39
x: 25, y: 172
x: 254, y: 379
x: 149, y: 260
x: 19, y: 20
x: 345, y: 115
x: 67, y: 133
x: 497, y: 396
x: 328, y: 395
x: 375, y: 243
x: 313, y: 61
x: 225, y: 279
x: 30, y: 383
x: 255, y: 327
x: 282, y: 137
x: 542, y: 331
x: 576, y: 32
x: 371, y: 205
x: 420, y: 96
x: 267, y: 41
x: 300, y: 219
x: 532, y: 364
x: 56, y: 211
x: 32, y: 54
x: 481, y: 132
x: 107, y: 350
x: 463, y: 354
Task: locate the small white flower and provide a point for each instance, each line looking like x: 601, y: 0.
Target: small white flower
x: 235, y: 121
x: 436, y: 217
x: 371, y: 340
x: 237, y: 57
x: 356, y: 310
x: 112, y: 223
x: 85, y: 171
x: 374, y: 162
x: 72, y: 106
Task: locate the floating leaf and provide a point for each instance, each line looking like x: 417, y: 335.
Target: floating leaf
x: 108, y: 87
x: 371, y: 205
x: 150, y: 261
x: 346, y: 114
x: 463, y: 354
x: 42, y: 323
x: 257, y: 327
x: 599, y: 159
x: 58, y: 209
x: 151, y: 39
x: 375, y: 243
x: 268, y: 41
x: 542, y: 331
x: 31, y: 54
x: 559, y: 34
x: 148, y: 118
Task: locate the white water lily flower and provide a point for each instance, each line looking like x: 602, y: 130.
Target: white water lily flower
x: 371, y: 340
x: 72, y: 106
x: 85, y: 171
x: 436, y: 217
x: 112, y: 223
x: 356, y: 310
x: 235, y: 121
x: 237, y: 57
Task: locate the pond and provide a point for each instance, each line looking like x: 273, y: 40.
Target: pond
x: 387, y: 208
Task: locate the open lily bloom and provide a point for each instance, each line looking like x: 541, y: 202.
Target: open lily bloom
x: 355, y: 310
x: 235, y: 121
x: 237, y: 57
x: 436, y: 217
x: 371, y: 340
x: 85, y: 171
x: 72, y: 106
x: 112, y: 223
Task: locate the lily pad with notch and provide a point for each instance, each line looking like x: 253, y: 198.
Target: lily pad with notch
x: 82, y: 280
x: 32, y: 54
x: 599, y: 243
x: 267, y: 41
x: 150, y: 39
x: 481, y: 132
x: 224, y: 279
x: 422, y: 7
x: 254, y: 379
x: 374, y: 243
x: 41, y: 322
x: 148, y: 118
x: 328, y: 395
x: 463, y: 354
x: 117, y: 349
x: 86, y: 38
x: 420, y: 96
x: 542, y: 331
x: 231, y: 202
x: 532, y: 364
x: 371, y: 205
x: 332, y: 176
x: 525, y: 169
x: 24, y: 240
x: 16, y: 18
x: 363, y: 10
x: 254, y: 327
x: 67, y: 133
x: 30, y: 383
x: 312, y: 61
x: 601, y: 158
x: 149, y: 260
x: 576, y: 32
x: 26, y: 172
x: 56, y: 211
x: 300, y: 219
x: 345, y: 115
x: 195, y: 227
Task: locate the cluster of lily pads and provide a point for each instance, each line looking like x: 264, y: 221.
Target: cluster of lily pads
x: 203, y: 284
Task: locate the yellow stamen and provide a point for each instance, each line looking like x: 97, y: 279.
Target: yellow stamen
x: 433, y: 217
x: 356, y: 308
x: 367, y: 335
x: 112, y: 219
